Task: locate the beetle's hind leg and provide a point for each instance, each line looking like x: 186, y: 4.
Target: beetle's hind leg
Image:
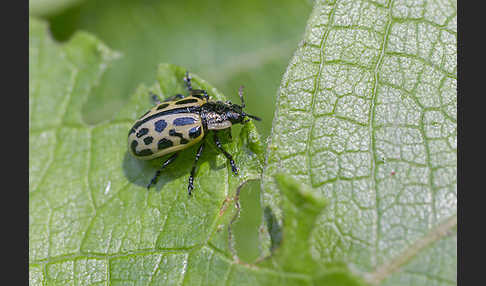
x: 228, y: 155
x: 190, y: 187
x: 157, y: 173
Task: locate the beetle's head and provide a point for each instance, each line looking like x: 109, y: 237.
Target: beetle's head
x: 235, y: 112
x: 221, y: 115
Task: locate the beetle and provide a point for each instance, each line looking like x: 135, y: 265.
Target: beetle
x: 180, y: 122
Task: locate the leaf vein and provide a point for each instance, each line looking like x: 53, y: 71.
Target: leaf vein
x: 372, y: 142
x: 316, y: 90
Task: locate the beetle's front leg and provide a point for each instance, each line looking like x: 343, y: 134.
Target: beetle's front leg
x: 228, y: 155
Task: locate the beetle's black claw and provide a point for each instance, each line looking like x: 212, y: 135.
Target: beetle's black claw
x: 154, y: 179
x: 233, y: 167
x: 190, y: 187
x: 189, y: 191
x: 150, y: 184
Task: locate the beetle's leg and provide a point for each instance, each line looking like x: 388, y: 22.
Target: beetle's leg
x: 175, y: 97
x: 187, y: 79
x: 206, y: 96
x: 157, y: 173
x: 157, y: 101
x: 228, y: 155
x: 190, y: 187
x: 155, y: 98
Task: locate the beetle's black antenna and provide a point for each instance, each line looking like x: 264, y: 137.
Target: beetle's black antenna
x: 252, y: 116
x: 240, y: 93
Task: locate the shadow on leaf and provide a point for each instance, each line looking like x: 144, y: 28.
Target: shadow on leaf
x: 140, y: 172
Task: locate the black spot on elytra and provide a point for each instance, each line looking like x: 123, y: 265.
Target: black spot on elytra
x: 185, y: 101
x: 148, y: 140
x: 134, y: 146
x: 142, y: 132
x: 164, y: 143
x: 162, y: 106
x: 160, y: 125
x: 172, y: 132
x: 195, y: 132
x: 189, y: 109
x: 181, y: 121
x: 144, y: 152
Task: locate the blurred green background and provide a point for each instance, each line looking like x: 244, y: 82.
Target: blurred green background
x: 228, y: 43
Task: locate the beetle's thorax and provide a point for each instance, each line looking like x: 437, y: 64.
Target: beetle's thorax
x: 215, y: 121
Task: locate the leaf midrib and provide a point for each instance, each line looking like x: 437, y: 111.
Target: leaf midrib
x: 372, y: 142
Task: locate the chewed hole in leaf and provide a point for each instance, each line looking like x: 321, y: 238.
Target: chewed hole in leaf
x: 246, y: 227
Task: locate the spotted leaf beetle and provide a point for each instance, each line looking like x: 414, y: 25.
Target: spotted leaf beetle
x: 180, y: 122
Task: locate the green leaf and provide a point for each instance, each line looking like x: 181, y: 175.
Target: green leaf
x: 93, y: 222
x: 366, y: 116
x: 91, y: 219
x: 291, y: 241
x: 301, y: 207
